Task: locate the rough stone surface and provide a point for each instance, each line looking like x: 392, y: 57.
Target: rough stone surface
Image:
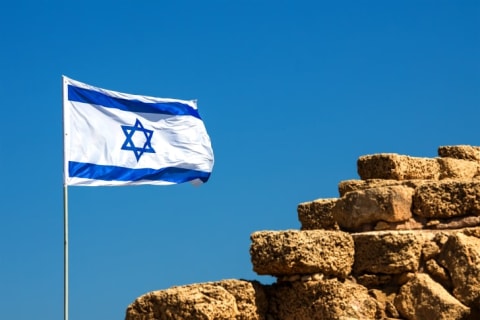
x: 447, y: 199
x: 321, y: 300
x: 388, y: 252
x: 461, y: 257
x: 385, y: 300
x: 292, y: 252
x: 223, y: 300
x: 391, y: 204
x: 473, y: 232
x: 317, y: 214
x: 460, y: 152
x: 397, y: 167
x: 430, y: 249
x: 451, y: 168
x: 355, y: 185
x: 423, y: 298
x: 413, y: 223
x: 458, y: 223
x: 438, y: 273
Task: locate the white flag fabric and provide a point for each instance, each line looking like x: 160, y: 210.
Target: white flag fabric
x: 113, y: 139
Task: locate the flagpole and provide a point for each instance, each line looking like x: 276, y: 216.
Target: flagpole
x: 65, y: 212
x: 65, y: 252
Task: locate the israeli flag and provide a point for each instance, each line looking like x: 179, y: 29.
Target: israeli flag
x: 113, y: 138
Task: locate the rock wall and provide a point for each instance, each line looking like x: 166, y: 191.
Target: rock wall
x: 403, y: 242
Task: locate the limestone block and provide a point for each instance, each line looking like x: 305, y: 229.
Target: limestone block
x: 423, y: 298
x: 294, y: 252
x: 460, y: 152
x: 451, y: 168
x: 354, y: 185
x: 388, y: 252
x: 391, y: 204
x: 461, y: 257
x: 320, y: 300
x: 397, y: 167
x: 317, y: 214
x: 447, y: 199
x: 223, y: 300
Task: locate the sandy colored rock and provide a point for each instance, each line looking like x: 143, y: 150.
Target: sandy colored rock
x: 472, y: 232
x: 397, y: 167
x: 293, y: 252
x: 223, y: 300
x: 451, y: 168
x: 430, y: 249
x: 414, y: 223
x: 315, y: 215
x: 423, y: 298
x: 374, y: 280
x: 385, y: 300
x: 329, y: 299
x: 438, y: 273
x: 356, y: 208
x: 461, y: 257
x: 447, y: 199
x: 355, y: 185
x: 458, y: 223
x: 388, y: 252
x: 460, y: 152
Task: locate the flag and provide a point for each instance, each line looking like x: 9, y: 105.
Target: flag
x: 113, y: 138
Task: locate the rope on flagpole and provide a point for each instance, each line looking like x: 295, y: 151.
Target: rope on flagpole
x: 65, y: 252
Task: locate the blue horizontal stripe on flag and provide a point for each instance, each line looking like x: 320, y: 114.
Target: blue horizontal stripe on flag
x: 115, y: 173
x: 99, y: 98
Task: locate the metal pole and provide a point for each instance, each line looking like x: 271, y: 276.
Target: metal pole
x: 65, y: 211
x: 65, y: 252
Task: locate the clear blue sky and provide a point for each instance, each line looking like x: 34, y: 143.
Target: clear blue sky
x: 291, y: 92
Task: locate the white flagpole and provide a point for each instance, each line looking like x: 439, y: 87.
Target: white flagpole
x: 65, y: 213
x: 65, y: 252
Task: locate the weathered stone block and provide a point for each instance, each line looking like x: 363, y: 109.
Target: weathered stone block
x: 354, y: 185
x: 391, y: 204
x: 388, y: 252
x: 320, y: 300
x: 461, y: 257
x: 446, y: 199
x: 397, y: 167
x: 423, y: 298
x: 460, y: 152
x: 292, y: 252
x: 223, y: 300
x: 451, y: 168
x: 317, y: 214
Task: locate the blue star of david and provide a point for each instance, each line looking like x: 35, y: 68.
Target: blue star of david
x: 129, y: 145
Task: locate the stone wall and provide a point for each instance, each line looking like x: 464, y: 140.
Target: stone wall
x: 403, y: 242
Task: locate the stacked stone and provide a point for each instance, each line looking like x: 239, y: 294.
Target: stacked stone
x: 402, y: 192
x: 406, y: 233
x: 403, y: 242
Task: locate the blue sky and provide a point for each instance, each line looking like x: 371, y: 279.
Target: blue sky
x: 291, y: 92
